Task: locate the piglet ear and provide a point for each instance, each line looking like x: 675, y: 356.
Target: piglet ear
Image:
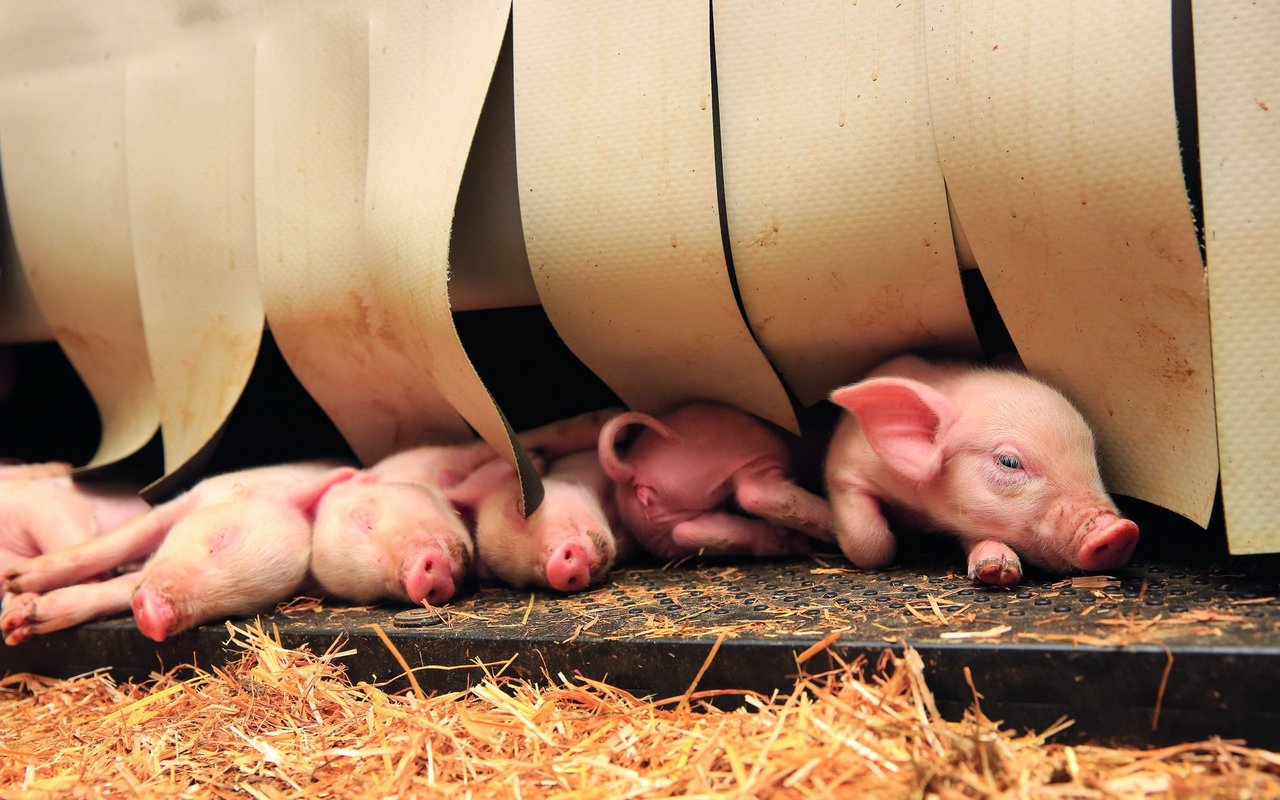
x: 484, y: 481
x: 901, y: 419
x: 305, y: 494
x: 618, y: 470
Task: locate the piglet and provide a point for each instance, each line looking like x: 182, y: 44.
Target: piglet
x: 994, y: 456
x: 235, y: 543
x: 568, y: 543
x: 42, y: 509
x: 674, y: 488
x: 391, y: 533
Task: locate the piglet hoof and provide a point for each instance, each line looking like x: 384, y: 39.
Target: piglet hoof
x: 153, y: 614
x: 997, y: 572
x: 428, y: 576
x: 7, y: 586
x: 19, y: 611
x: 568, y: 568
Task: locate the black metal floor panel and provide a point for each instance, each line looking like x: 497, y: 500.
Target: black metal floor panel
x: 1201, y: 643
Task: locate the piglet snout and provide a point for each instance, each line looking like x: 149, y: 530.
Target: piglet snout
x: 1109, y: 543
x: 154, y: 614
x: 569, y: 568
x: 428, y: 576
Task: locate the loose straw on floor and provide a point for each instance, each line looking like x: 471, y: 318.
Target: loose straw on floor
x: 289, y: 723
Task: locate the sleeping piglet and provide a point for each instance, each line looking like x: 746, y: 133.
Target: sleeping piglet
x: 676, y: 482
x: 236, y: 543
x: 391, y: 533
x: 568, y: 543
x: 994, y: 456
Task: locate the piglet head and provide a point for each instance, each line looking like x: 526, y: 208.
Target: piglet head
x: 378, y: 539
x: 636, y: 493
x: 1003, y: 457
x: 566, y: 544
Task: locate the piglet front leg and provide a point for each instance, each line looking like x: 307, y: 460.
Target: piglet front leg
x: 568, y: 436
x: 439, y: 465
x: 129, y: 542
x: 861, y: 528
x: 37, y: 471
x: 993, y: 562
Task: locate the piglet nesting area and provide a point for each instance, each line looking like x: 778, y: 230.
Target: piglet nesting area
x: 291, y: 722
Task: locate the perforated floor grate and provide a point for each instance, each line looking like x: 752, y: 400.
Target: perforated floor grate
x: 1156, y: 603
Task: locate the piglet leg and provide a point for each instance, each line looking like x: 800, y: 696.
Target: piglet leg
x: 480, y: 484
x: 719, y: 533
x: 129, y: 542
x: 30, y: 614
x: 992, y: 562
x: 568, y: 436
x: 777, y: 499
x: 861, y: 529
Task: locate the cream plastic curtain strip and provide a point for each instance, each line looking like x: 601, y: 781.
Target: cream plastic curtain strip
x: 1238, y: 86
x: 430, y: 68
x: 836, y: 207
x: 617, y: 172
x: 62, y: 149
x: 1055, y: 125
x: 316, y: 272
x: 189, y: 149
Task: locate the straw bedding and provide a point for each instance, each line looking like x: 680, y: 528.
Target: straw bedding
x: 289, y: 723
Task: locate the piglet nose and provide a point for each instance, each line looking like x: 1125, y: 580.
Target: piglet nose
x: 427, y: 576
x: 153, y: 614
x: 1109, y: 545
x: 568, y: 568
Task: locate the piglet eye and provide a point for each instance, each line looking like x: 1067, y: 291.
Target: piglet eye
x: 1009, y: 461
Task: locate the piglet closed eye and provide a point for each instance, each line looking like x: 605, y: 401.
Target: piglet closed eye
x: 997, y: 458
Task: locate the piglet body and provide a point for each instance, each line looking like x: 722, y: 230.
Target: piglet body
x: 235, y: 543
x: 994, y: 456
x: 682, y: 471
x: 570, y: 542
